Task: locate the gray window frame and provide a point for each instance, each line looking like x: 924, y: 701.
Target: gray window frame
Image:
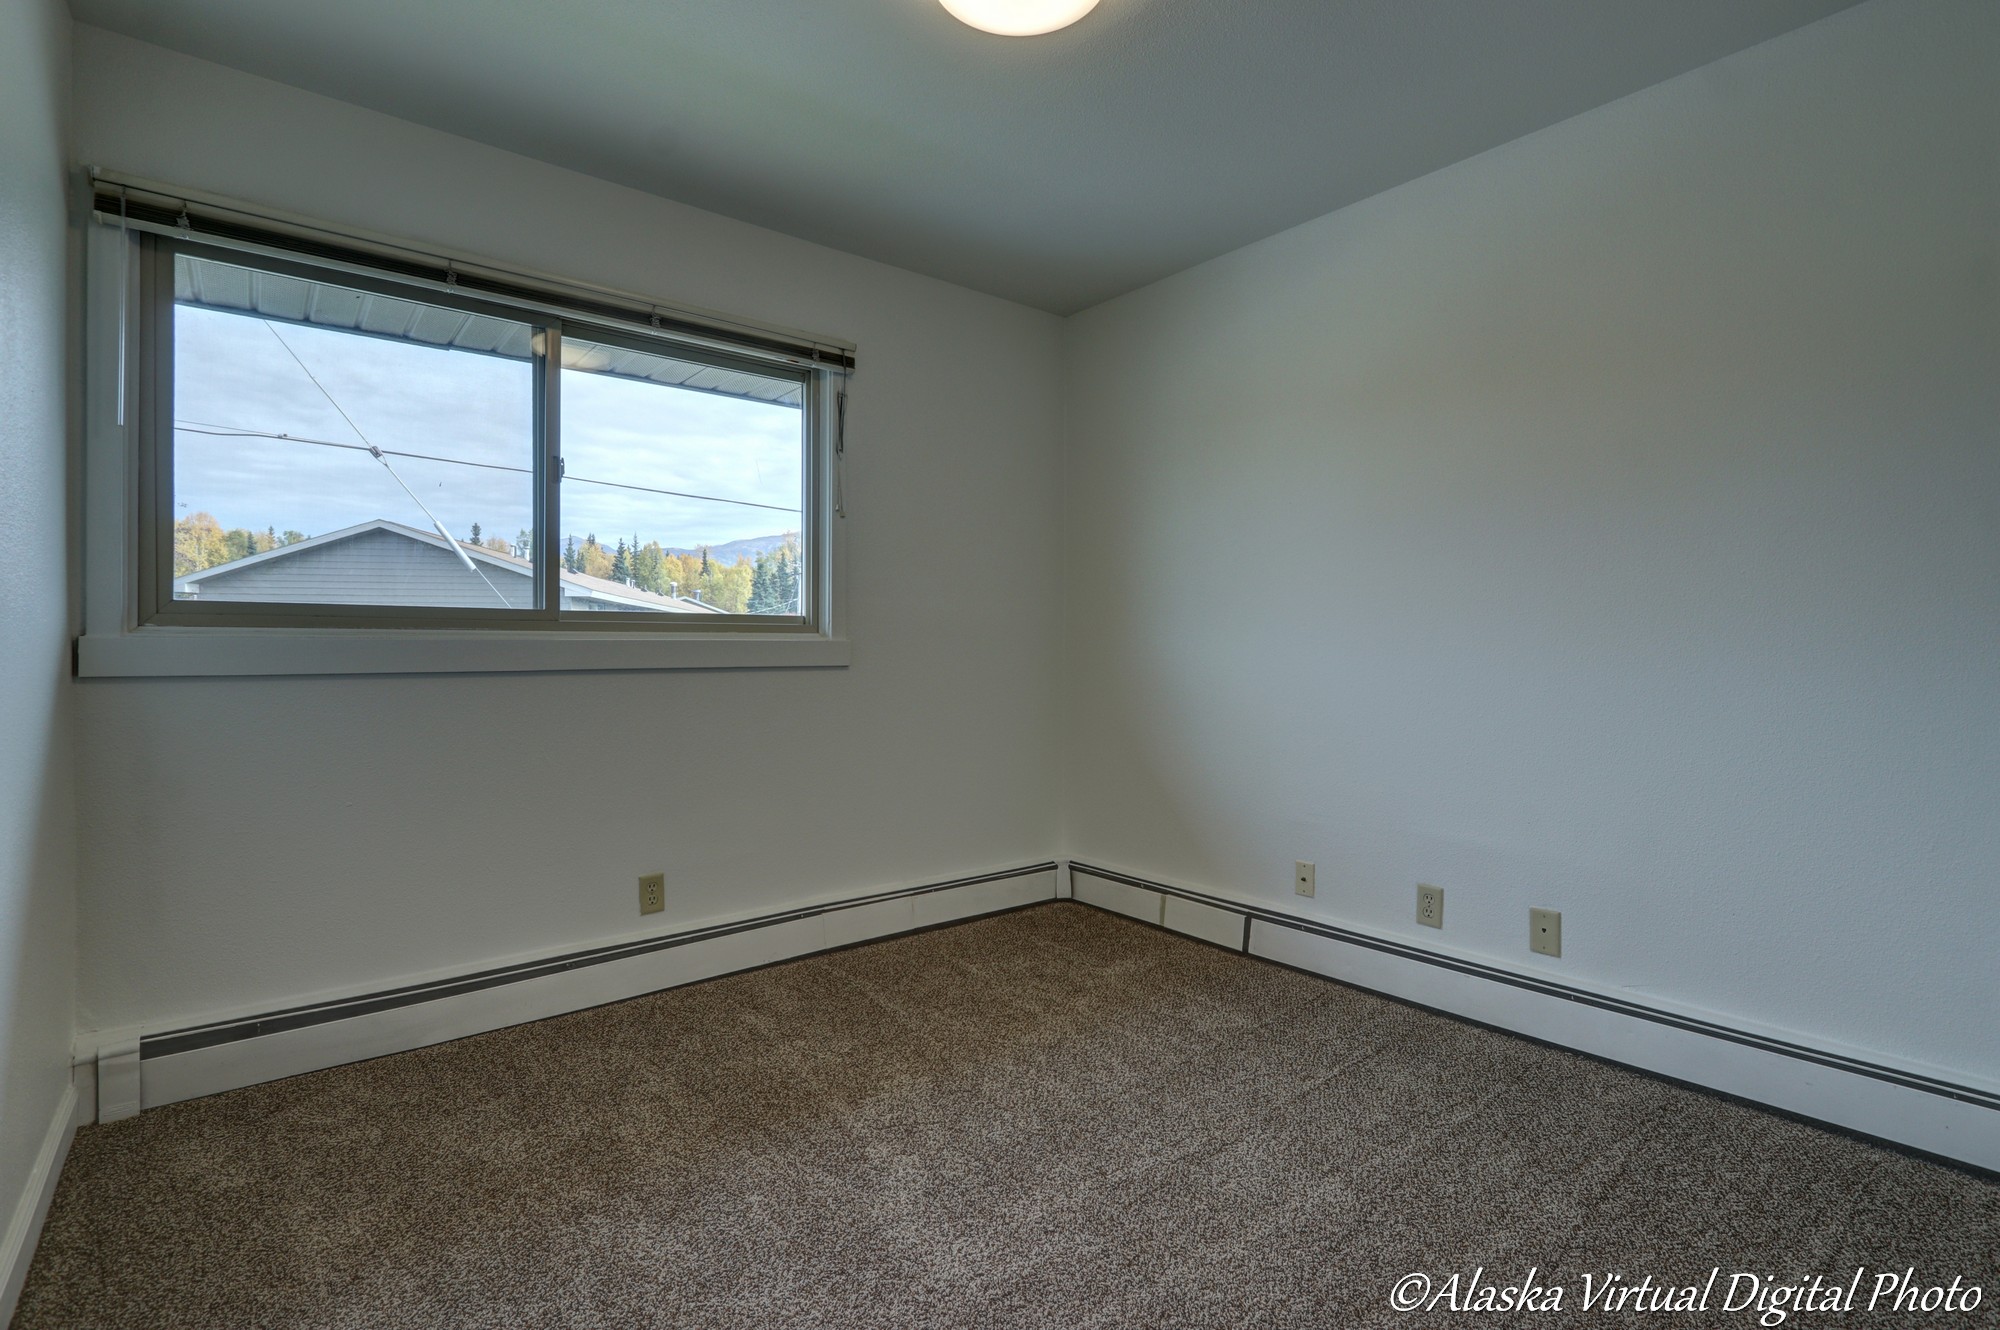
x: 154, y: 363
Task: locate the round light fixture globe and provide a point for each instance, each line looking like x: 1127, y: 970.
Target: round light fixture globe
x: 1019, y: 18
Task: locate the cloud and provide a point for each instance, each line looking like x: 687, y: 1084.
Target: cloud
x: 232, y: 372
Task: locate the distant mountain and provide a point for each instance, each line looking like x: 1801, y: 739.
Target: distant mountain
x: 747, y: 548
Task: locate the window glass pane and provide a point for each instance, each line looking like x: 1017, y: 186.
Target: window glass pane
x: 683, y: 485
x: 337, y: 446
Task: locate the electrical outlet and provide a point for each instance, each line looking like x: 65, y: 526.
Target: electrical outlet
x: 1545, y: 932
x: 652, y: 893
x: 1305, y: 878
x: 1430, y: 906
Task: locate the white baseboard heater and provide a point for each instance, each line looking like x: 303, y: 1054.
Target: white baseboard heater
x: 1895, y: 1105
x: 224, y: 1054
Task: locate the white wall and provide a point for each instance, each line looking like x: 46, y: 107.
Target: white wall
x: 251, y: 840
x: 37, y: 829
x: 1607, y: 523
x: 1610, y: 522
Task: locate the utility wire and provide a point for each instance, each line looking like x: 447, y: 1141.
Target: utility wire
x: 273, y: 329
x: 451, y: 541
x: 229, y: 432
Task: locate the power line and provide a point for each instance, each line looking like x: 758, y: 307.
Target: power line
x: 229, y: 432
x: 379, y: 456
x: 272, y: 328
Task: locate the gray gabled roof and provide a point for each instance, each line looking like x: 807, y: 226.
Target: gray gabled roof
x: 334, y: 537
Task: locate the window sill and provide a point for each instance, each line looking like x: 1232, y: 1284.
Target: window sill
x: 162, y: 652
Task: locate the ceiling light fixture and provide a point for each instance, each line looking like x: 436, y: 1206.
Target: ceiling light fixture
x: 1019, y: 18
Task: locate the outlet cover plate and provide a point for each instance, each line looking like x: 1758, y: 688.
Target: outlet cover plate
x: 1430, y: 906
x: 1305, y: 878
x: 1545, y: 932
x: 652, y: 893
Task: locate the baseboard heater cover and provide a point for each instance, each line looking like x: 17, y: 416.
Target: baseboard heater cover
x: 216, y: 1034
x: 1241, y: 926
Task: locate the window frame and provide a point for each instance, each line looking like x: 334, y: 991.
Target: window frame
x: 128, y: 518
x: 812, y: 480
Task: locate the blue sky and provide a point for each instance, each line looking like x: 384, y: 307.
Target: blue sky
x: 232, y: 372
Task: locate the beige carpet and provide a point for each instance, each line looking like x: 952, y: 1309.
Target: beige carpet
x: 1053, y: 1118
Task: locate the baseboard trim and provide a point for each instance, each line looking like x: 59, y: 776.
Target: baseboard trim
x: 1894, y: 1104
x: 202, y: 1058
x: 24, y: 1227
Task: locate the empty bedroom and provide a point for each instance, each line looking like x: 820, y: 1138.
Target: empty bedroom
x: 1064, y: 664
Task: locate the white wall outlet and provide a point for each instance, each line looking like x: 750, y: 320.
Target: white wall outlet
x: 1305, y: 878
x: 1545, y: 932
x: 1430, y: 906
x: 652, y: 893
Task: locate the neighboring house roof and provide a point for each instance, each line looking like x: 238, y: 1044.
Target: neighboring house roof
x: 582, y: 586
x: 577, y: 588
x: 603, y: 588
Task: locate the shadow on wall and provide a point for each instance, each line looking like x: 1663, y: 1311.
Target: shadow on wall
x: 37, y: 926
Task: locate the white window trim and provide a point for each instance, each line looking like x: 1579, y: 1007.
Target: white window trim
x: 114, y: 643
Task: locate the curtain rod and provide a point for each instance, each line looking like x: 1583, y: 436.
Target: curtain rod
x: 154, y: 206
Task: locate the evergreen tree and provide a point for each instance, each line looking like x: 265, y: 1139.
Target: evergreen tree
x: 774, y: 587
x: 649, y: 567
x: 572, y: 561
x: 621, y: 564
x: 789, y: 571
x: 764, y: 586
x: 475, y: 534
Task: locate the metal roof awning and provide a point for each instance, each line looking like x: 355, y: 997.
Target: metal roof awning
x: 624, y: 363
x: 210, y: 284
